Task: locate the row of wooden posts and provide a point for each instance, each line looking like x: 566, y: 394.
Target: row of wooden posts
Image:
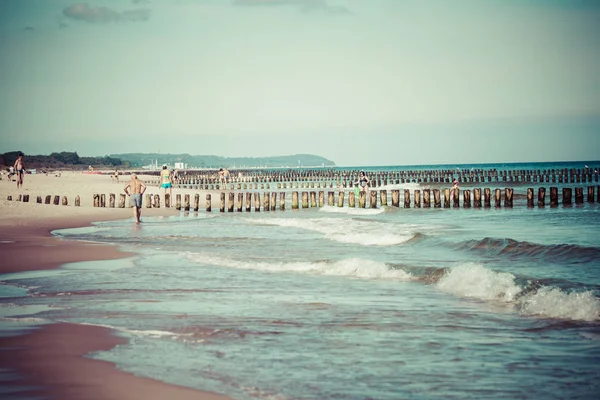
x: 210, y: 182
x: 451, y: 198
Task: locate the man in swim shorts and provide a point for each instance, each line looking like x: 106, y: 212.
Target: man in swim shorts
x: 165, y: 181
x: 19, y: 170
x: 135, y: 189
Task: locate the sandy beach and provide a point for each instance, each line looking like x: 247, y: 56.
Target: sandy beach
x: 50, y: 361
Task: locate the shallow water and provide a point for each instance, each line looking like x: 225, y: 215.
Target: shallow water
x: 339, y: 303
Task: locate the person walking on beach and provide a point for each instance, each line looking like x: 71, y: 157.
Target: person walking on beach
x: 166, y: 182
x: 116, y: 176
x: 135, y: 189
x: 363, y: 181
x: 19, y: 170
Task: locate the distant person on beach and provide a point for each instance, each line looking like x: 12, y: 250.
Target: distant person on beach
x: 223, y: 176
x: 165, y: 180
x: 116, y: 175
x: 175, y: 176
x: 135, y: 189
x: 363, y: 181
x: 19, y: 170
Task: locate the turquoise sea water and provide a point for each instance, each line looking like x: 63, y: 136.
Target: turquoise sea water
x: 343, y: 303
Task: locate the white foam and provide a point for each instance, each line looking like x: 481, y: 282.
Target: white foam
x: 554, y: 303
x: 475, y: 281
x: 352, y: 210
x: 355, y: 267
x: 366, y: 233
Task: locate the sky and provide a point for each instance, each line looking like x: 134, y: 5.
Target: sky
x: 359, y: 82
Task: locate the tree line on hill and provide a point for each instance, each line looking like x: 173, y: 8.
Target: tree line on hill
x: 72, y: 160
x: 64, y: 159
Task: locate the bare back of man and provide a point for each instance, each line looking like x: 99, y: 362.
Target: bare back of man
x: 135, y: 188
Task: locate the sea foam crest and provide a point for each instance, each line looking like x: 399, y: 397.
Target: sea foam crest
x: 554, y: 303
x: 352, y: 210
x: 366, y: 233
x: 356, y: 267
x: 475, y: 281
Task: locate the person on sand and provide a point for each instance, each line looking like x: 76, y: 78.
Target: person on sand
x: 165, y: 180
x: 19, y: 170
x: 363, y: 181
x: 135, y: 189
x: 116, y: 175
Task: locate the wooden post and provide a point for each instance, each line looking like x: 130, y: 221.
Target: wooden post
x: 186, y: 202
x: 256, y: 202
x: 111, y: 200
x: 383, y: 197
x: 25, y: 198
x: 231, y: 202
x: 330, y: 199
x: 178, y: 201
x: 508, y: 197
x: 553, y: 196
x: 467, y: 198
x: 77, y: 201
x: 102, y: 200
x: 122, y: 198
x: 417, y: 198
x: 426, y: 198
x: 248, y: 201
x: 96, y: 200
x: 590, y: 196
x: 579, y: 195
x: 208, y: 202
x: 497, y: 198
x: 65, y: 201
x: 455, y: 197
x: 167, y: 200
x: 362, y: 199
x: 321, y: 198
x: 351, y: 199
x: 304, y: 199
x: 56, y: 200
x: 530, y: 197
x: 477, y: 198
x: 156, y: 203
x: 282, y: 201
x: 341, y: 198
x: 222, y: 205
x: 40, y: 201
x: 567, y: 196
x: 373, y: 201
x: 148, y: 200
x: 273, y: 201
x: 541, y: 197
x: 313, y: 199
x: 196, y: 202
x: 446, y: 198
x: 267, y: 203
x: 395, y: 198
x: 406, y: 198
x: 294, y: 200
x: 437, y: 198
x: 240, y: 201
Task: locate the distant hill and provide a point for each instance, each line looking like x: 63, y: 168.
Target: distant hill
x: 211, y: 161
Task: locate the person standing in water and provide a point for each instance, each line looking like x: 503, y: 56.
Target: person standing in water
x: 135, y: 189
x: 363, y: 182
x: 166, y: 182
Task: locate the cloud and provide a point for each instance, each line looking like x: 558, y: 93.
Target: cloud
x: 83, y: 12
x: 304, y: 5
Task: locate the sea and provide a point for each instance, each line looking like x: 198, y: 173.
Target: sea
x: 342, y: 303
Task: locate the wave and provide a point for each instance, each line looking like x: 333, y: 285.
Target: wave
x: 474, y: 281
x: 352, y: 267
x: 358, y: 231
x: 559, y: 252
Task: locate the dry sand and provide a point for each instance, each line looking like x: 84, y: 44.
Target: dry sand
x: 50, y: 361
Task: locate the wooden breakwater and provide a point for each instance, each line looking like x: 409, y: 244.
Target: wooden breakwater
x: 290, y: 178
x: 417, y: 198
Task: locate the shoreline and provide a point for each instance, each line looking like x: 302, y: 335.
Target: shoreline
x: 50, y: 360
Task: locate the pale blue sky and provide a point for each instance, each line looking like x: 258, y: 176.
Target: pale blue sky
x: 361, y: 82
